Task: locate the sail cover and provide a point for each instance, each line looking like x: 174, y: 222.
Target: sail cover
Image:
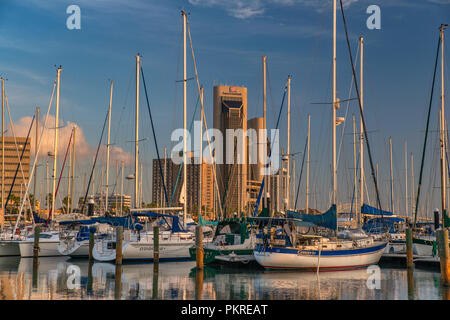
x: 366, y: 209
x: 325, y: 220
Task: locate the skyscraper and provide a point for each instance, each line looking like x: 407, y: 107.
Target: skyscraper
x: 230, y: 117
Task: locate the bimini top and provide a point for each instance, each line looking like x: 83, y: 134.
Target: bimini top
x: 176, y: 225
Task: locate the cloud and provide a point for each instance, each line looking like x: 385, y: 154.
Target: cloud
x: 247, y: 9
x: 235, y: 8
x: 83, y: 151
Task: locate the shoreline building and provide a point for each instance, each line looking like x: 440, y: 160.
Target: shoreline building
x: 12, y: 157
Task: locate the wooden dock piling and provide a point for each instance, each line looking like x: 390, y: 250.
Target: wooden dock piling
x: 91, y: 244
x: 442, y: 239
x: 199, y: 246
x: 119, y: 238
x: 118, y: 281
x: 37, y: 232
x: 409, y: 248
x: 155, y: 248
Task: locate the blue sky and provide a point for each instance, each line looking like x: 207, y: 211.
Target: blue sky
x: 229, y: 38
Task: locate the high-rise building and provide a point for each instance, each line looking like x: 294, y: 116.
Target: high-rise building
x: 230, y: 116
x: 13, y: 153
x: 173, y: 180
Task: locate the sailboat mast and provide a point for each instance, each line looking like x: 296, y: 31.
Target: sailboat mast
x: 355, y: 172
x: 73, y: 168
x: 412, y: 185
x: 264, y: 58
x: 184, y: 122
x: 121, y: 192
x: 361, y: 140
x: 35, y: 154
x: 392, y: 178
x: 288, y: 177
x: 406, y: 178
x: 107, y: 146
x: 442, y: 134
x: 136, y: 150
x: 55, y: 147
x: 200, y: 195
x: 2, y: 218
x: 307, y: 165
x: 334, y: 106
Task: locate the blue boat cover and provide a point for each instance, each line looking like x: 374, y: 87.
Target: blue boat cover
x: 366, y: 209
x: 325, y: 220
x: 379, y: 225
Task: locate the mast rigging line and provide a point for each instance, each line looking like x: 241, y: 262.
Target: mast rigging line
x: 301, y: 173
x: 426, y: 134
x: 361, y: 112
x: 154, y: 138
x: 181, y: 167
x: 95, y: 161
x: 60, y: 175
x: 258, y: 200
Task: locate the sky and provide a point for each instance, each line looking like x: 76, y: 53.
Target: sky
x: 229, y: 37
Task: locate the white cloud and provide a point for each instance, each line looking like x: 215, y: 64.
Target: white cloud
x: 246, y: 9
x: 83, y: 151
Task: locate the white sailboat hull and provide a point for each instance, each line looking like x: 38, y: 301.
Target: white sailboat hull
x: 169, y: 249
x: 75, y: 249
x: 9, y: 248
x: 46, y: 248
x: 290, y: 258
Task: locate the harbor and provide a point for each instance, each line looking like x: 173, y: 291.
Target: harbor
x: 177, y: 281
x: 235, y: 176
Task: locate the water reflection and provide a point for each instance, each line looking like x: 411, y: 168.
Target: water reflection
x: 61, y: 278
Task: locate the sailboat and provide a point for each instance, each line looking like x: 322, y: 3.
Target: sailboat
x: 280, y: 246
